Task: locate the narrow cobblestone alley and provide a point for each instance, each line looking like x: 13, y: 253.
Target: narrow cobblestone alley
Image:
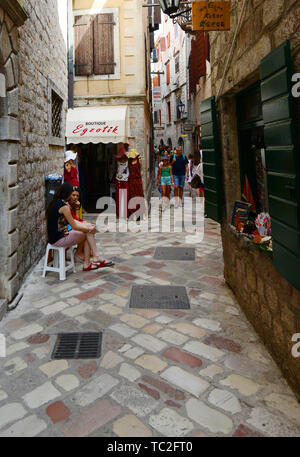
x: 198, y: 372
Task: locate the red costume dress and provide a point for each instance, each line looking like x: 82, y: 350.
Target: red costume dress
x: 72, y: 177
x: 135, y: 182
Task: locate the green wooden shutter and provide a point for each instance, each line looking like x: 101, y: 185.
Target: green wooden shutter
x: 211, y: 159
x: 282, y: 160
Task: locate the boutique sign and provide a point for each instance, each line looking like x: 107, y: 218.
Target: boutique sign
x: 97, y: 125
x: 95, y: 128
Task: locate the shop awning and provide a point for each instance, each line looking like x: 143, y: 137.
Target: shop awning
x: 97, y: 124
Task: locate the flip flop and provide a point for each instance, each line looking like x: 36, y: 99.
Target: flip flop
x: 92, y: 266
x: 105, y: 263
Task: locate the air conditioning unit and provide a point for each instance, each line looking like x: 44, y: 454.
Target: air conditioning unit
x: 154, y: 56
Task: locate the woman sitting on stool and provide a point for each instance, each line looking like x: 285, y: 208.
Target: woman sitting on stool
x: 58, y: 216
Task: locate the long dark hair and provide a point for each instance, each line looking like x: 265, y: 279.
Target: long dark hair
x: 63, y: 193
x: 77, y: 189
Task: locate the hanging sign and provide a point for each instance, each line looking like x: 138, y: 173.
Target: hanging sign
x: 187, y: 128
x: 209, y: 16
x: 157, y: 96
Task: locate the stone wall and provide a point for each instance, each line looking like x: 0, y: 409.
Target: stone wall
x: 270, y: 302
x: 43, y: 64
x: 9, y: 150
x: 32, y: 61
x: 265, y: 25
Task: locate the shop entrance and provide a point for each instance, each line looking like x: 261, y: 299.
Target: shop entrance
x: 252, y: 148
x: 96, y: 169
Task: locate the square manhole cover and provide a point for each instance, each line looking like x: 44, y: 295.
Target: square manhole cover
x: 159, y: 297
x: 174, y: 253
x: 77, y: 346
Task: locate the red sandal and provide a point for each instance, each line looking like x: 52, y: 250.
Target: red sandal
x: 105, y: 263
x: 92, y: 266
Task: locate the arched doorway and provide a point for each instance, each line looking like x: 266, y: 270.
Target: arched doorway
x: 169, y: 142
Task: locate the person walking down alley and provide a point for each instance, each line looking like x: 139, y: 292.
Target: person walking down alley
x: 122, y: 184
x: 198, y: 172
x: 191, y: 168
x: 180, y: 170
x: 165, y: 180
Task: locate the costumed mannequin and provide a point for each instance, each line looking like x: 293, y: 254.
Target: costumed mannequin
x: 122, y: 186
x: 70, y: 171
x: 135, y: 180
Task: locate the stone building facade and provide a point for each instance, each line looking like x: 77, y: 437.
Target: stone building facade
x: 33, y: 78
x: 125, y: 83
x: 171, y: 72
x: 252, y: 89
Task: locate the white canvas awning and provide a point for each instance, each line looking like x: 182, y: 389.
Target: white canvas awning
x: 97, y: 124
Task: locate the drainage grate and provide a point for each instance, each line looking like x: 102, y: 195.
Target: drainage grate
x: 161, y: 297
x: 170, y: 253
x: 77, y: 346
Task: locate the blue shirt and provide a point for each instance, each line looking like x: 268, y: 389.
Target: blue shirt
x: 178, y: 167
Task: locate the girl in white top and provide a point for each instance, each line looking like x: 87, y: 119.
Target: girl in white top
x: 191, y: 173
x: 198, y: 170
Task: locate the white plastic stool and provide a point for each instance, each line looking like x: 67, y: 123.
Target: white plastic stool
x: 59, y: 264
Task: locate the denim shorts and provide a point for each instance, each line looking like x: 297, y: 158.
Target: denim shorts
x: 179, y: 180
x: 165, y: 181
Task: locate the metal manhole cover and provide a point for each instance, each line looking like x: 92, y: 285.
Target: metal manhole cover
x: 174, y: 253
x: 77, y: 346
x: 161, y: 297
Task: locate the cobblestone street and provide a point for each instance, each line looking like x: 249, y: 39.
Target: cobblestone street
x: 198, y: 372
x: 176, y: 373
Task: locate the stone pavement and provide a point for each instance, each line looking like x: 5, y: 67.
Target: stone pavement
x: 162, y: 373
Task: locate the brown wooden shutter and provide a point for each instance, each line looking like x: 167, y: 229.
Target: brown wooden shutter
x: 104, y: 63
x: 157, y: 15
x: 150, y: 13
x: 168, y: 73
x: 83, y: 42
x: 197, y: 60
x: 155, y: 81
x: 163, y: 44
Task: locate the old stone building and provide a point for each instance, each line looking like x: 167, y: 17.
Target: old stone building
x: 250, y: 128
x: 33, y: 91
x: 170, y: 74
x: 109, y: 85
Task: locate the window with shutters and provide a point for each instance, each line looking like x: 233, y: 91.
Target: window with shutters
x: 96, y: 44
x: 269, y: 159
x: 169, y: 112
